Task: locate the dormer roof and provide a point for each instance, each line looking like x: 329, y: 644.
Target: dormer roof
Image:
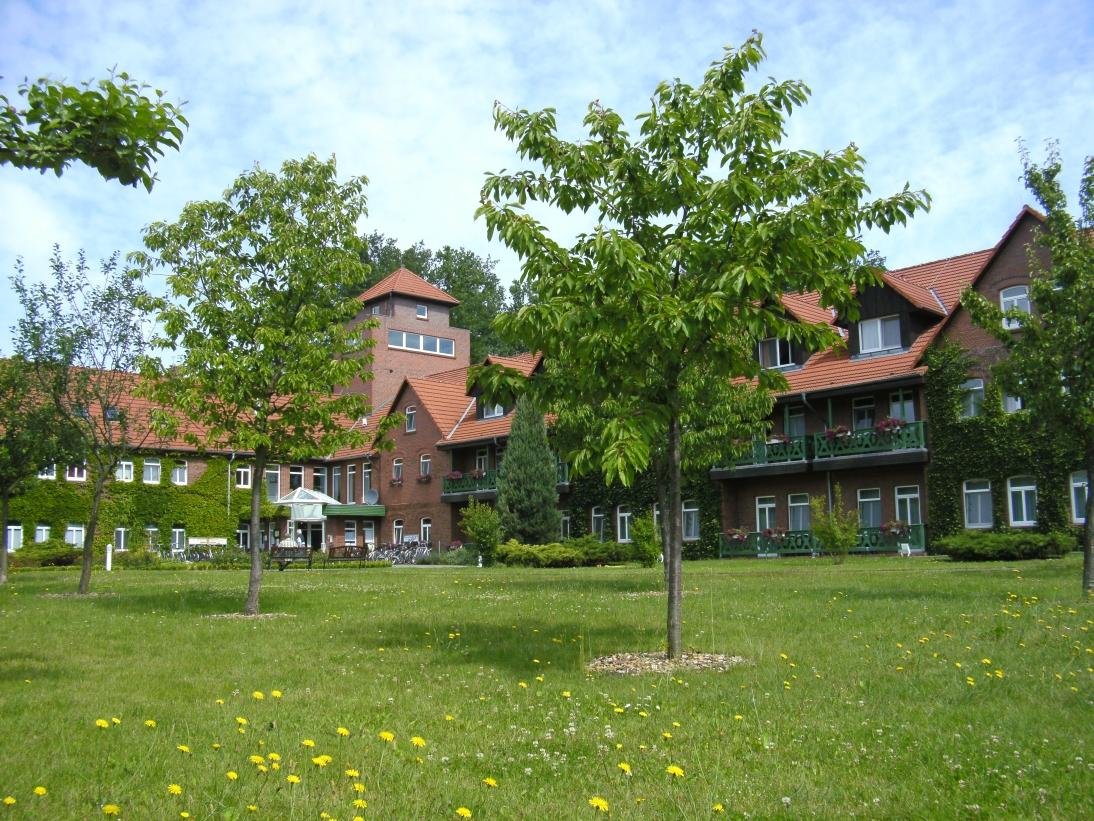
x: 405, y: 282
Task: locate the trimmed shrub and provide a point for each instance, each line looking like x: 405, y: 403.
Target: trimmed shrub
x: 50, y: 553
x: 515, y: 554
x: 646, y: 547
x: 138, y: 560
x: 482, y: 524
x: 982, y: 546
x: 466, y: 556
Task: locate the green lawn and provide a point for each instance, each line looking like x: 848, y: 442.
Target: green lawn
x: 881, y: 687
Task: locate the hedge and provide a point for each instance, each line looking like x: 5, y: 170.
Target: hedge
x: 981, y: 546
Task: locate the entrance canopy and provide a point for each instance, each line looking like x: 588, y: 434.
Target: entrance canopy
x: 306, y: 505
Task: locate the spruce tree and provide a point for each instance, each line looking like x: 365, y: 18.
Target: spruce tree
x: 527, y: 482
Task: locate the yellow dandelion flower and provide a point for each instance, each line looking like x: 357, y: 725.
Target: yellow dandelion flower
x: 307, y: 742
x: 293, y: 779
x: 666, y: 735
x: 115, y: 720
x: 674, y: 771
x: 643, y: 713
x: 448, y: 717
x: 321, y: 760
x: 598, y: 803
x: 358, y: 787
x: 182, y: 748
x: 232, y: 775
x: 386, y: 736
x: 565, y: 693
x: 252, y: 808
x: 360, y: 803
x: 241, y: 721
x: 262, y: 768
x: 274, y: 756
x: 490, y: 782
x: 417, y: 741
x: 216, y: 745
x: 258, y: 695
x: 738, y: 717
x: 102, y: 723
x: 617, y: 710
x: 463, y: 812
x: 676, y: 724
x: 40, y: 790
x: 174, y: 789
x: 185, y: 814
x: 342, y: 731
x: 256, y: 759
x: 220, y: 701
x: 111, y: 809
x: 718, y: 808
x: 625, y: 767
x: 275, y: 694
x: 150, y: 723
x: 353, y: 773
x: 539, y: 678
x: 523, y: 685
x: 9, y: 800
x: 358, y: 818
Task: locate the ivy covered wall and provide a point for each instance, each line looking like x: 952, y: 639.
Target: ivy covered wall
x: 207, y: 506
x: 994, y: 445
x: 589, y: 491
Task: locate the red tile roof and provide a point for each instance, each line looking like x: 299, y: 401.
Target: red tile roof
x: 526, y: 363
x: 407, y: 283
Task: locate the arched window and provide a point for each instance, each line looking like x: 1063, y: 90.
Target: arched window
x: 397, y: 531
x: 425, y: 532
x: 411, y: 414
x: 396, y: 470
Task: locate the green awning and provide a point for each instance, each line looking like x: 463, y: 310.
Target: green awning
x: 354, y: 510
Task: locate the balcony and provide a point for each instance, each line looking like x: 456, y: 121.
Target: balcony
x: 804, y: 543
x: 830, y: 445
x: 773, y: 456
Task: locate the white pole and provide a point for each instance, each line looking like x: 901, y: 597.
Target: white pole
x: 109, y: 557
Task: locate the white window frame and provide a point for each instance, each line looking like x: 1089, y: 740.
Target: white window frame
x: 411, y: 414
x: 1079, y: 487
x: 869, y: 498
x: 15, y: 536
x: 76, y: 473
x: 180, y: 472
x: 623, y: 519
x: 863, y: 406
x: 1016, y: 297
x: 596, y: 522
x: 795, y: 421
x: 243, y: 536
x: 121, y: 539
x: 765, y: 513
x: 493, y: 411
x: 482, y: 459
x: 421, y: 312
x: 1012, y: 404
x: 48, y: 472
x: 151, y: 471
x: 178, y: 541
x: 775, y: 353
x: 273, y: 472
x: 972, y: 398
x: 425, y: 465
x: 152, y: 536
x: 75, y: 535
x: 425, y: 530
x: 871, y: 334
x: 907, y: 501
x: 351, y: 483
x: 1022, y: 501
x: 336, y: 482
x: 397, y: 531
x: 41, y: 533
x: 397, y: 469
x: 902, y: 405
x: 368, y: 533
x: 366, y: 478
x: 421, y: 343
x: 320, y: 479
x: 350, y: 532
x: 296, y: 477
x: 243, y: 476
x: 689, y: 520
x: 124, y: 471
x: 983, y: 486
x: 797, y: 507
x: 564, y: 525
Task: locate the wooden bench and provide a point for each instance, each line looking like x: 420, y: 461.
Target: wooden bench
x: 347, y: 553
x: 286, y: 554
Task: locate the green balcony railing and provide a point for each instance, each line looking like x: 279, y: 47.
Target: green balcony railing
x: 852, y: 443
x: 471, y: 483
x: 802, y: 542
x: 774, y: 452
x: 880, y: 540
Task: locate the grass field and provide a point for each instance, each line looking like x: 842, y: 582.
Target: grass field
x: 883, y: 687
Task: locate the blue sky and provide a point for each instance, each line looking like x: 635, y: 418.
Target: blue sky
x: 934, y: 94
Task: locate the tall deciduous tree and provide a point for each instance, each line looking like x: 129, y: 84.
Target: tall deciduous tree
x: 649, y: 321
x: 528, y: 480
x: 256, y: 307
x: 115, y: 126
x: 84, y: 341
x: 1051, y: 354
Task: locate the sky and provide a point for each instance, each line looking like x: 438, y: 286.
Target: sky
x: 935, y: 94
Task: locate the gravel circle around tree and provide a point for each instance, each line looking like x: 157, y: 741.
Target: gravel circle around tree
x: 633, y: 664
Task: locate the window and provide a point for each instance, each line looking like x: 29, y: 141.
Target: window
x: 366, y: 478
x: 1014, y: 299
x: 795, y: 421
x: 273, y: 482
x: 1011, y: 404
x: 482, y: 460
x: 74, y: 535
x: 151, y: 472
x: 296, y: 476
x: 596, y: 516
x: 124, y: 471
x: 564, y: 525
x: 48, y: 472
x: 152, y: 534
x: 178, y: 472
x: 76, y: 473
x: 15, y: 537
x: 425, y: 531
x: 396, y: 470
x: 798, y: 505
x: 243, y: 476
x: 421, y: 311
x: 492, y: 411
x: 369, y: 534
x: 623, y: 523
x: 862, y: 412
x: 336, y: 482
x: 425, y: 465
x: 374, y: 310
x: 397, y: 531
x: 1022, y: 501
x: 978, y: 503
x: 765, y: 513
x: 1080, y: 487
x: 881, y: 334
x: 41, y: 533
x: 410, y: 341
x: 411, y: 422
x: 973, y: 399
x: 907, y: 505
x: 121, y: 538
x: 775, y: 353
x: 111, y: 414
x: 351, y: 483
x: 351, y: 532
x: 178, y: 541
x: 902, y: 405
x: 319, y: 479
x: 243, y: 536
x: 869, y: 507
x: 689, y: 510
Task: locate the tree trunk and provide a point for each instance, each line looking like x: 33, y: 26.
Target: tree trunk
x: 89, y: 536
x: 254, y: 583
x: 4, y: 496
x: 1088, y: 528
x: 674, y: 543
x: 662, y: 474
